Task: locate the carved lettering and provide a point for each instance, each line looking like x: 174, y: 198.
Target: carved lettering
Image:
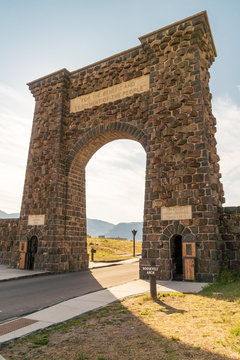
x: 176, y: 212
x: 113, y: 93
x: 36, y: 219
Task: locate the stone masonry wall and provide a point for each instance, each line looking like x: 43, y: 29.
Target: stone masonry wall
x: 173, y: 122
x: 8, y: 240
x: 230, y: 230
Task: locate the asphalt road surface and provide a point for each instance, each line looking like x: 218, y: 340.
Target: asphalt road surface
x: 23, y: 296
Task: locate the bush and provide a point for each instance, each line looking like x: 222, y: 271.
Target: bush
x: 228, y: 276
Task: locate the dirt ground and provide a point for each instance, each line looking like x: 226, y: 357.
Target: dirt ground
x: 175, y: 327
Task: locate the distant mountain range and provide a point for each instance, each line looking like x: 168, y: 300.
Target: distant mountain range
x: 123, y: 230
x: 4, y: 215
x: 96, y: 228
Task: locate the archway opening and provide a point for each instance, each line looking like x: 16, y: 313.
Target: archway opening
x: 82, y: 152
x: 176, y: 256
x: 115, y: 187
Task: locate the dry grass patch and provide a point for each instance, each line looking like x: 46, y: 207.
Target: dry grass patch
x: 112, y: 249
x: 175, y: 327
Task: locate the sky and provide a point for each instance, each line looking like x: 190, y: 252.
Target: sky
x: 40, y: 37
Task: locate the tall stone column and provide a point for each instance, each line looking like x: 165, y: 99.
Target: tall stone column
x: 182, y: 166
x: 45, y: 188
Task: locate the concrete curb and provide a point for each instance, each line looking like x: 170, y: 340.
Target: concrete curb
x: 117, y: 261
x: 102, y: 264
x: 27, y: 276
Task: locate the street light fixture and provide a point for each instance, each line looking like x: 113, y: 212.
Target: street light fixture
x: 134, y: 232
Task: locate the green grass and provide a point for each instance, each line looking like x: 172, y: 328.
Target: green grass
x: 41, y: 342
x: 82, y: 356
x: 236, y: 330
x: 226, y: 288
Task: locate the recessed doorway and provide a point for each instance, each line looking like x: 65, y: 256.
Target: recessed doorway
x: 31, y: 252
x: 176, y: 256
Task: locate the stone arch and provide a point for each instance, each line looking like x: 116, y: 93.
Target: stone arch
x: 168, y: 237
x: 152, y: 93
x: 35, y: 231
x: 177, y: 228
x: 77, y: 160
x: 104, y: 134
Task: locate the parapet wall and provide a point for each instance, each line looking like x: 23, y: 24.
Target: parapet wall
x: 8, y: 240
x: 230, y: 231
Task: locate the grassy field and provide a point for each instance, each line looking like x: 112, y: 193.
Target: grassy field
x: 205, y: 326
x: 112, y: 249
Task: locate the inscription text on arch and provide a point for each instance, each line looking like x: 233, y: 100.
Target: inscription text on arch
x: 112, y: 93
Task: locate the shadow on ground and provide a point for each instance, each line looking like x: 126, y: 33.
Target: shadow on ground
x: 122, y: 330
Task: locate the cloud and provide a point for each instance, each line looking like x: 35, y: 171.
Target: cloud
x: 238, y: 86
x: 16, y: 111
x: 227, y: 114
x: 115, y: 179
x: 12, y: 94
x: 122, y: 154
x: 16, y: 106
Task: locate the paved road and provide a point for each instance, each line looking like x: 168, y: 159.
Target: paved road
x: 23, y: 296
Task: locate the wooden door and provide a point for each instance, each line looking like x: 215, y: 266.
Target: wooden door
x: 189, y: 256
x: 22, y: 252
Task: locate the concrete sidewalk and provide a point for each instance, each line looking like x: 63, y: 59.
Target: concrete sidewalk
x: 8, y: 273
x: 72, y: 308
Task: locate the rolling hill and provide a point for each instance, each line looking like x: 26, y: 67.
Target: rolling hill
x: 125, y: 230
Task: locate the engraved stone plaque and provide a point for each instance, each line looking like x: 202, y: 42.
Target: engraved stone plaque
x: 176, y: 212
x: 36, y: 219
x: 112, y: 93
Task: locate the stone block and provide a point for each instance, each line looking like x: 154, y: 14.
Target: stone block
x: 153, y: 253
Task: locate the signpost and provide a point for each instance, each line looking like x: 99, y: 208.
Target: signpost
x: 152, y: 272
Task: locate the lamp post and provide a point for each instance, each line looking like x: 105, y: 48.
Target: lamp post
x: 134, y: 234
x: 93, y: 251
